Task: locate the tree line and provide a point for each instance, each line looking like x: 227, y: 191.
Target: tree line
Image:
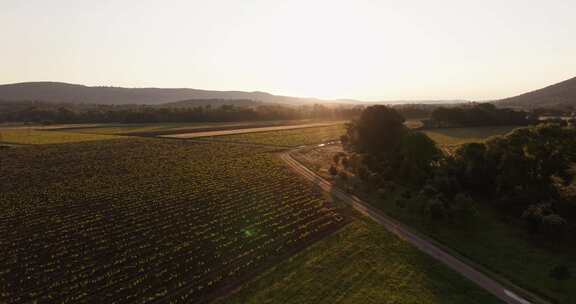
x: 477, y: 114
x: 528, y: 174
x: 80, y: 113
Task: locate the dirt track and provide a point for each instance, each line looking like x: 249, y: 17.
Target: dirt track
x: 428, y: 246
x: 248, y: 130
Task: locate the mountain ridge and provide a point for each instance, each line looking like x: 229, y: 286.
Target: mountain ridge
x: 75, y: 93
x: 62, y: 92
x: 556, y: 95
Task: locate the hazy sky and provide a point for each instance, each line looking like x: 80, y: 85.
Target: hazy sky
x: 364, y: 49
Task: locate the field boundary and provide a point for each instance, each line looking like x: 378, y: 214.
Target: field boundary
x: 218, y: 133
x: 236, y: 286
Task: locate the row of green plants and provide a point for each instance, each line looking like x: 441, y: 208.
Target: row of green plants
x: 288, y: 138
x: 147, y: 219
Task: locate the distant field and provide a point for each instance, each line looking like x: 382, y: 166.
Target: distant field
x: 242, y: 131
x: 154, y: 129
x: 363, y: 263
x: 458, y: 136
x: 413, y: 123
x: 127, y: 129
x: 139, y: 220
x: 288, y: 138
x: 34, y: 137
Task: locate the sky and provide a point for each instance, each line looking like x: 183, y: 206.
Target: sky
x: 361, y: 49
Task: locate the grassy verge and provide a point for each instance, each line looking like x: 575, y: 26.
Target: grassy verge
x: 489, y: 240
x: 362, y: 263
x: 493, y: 242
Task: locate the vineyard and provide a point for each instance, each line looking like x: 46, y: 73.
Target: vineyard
x: 38, y: 137
x: 363, y: 263
x: 167, y: 128
x: 147, y: 220
x: 287, y: 138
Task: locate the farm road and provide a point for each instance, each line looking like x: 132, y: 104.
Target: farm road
x: 422, y: 243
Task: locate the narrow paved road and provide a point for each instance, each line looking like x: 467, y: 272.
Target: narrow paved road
x: 425, y: 245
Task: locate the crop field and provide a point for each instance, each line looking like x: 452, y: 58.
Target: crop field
x: 287, y: 138
x: 363, y: 263
x: 153, y: 129
x: 127, y: 129
x: 458, y: 136
x: 147, y: 220
x: 449, y: 139
x: 36, y: 137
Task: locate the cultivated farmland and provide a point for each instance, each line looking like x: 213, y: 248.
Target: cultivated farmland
x: 458, y: 136
x: 287, y: 138
x: 363, y: 263
x: 38, y: 137
x: 158, y: 129
x: 449, y: 139
x: 144, y: 220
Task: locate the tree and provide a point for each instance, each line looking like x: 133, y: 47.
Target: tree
x: 417, y: 154
x: 554, y: 225
x: 534, y: 216
x: 464, y: 207
x: 332, y: 170
x: 389, y: 150
x: 435, y: 209
x: 377, y: 131
x: 473, y: 166
x: 478, y: 115
x: 560, y: 273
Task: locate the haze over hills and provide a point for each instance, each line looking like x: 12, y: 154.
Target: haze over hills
x: 559, y: 94
x: 73, y: 93
x: 59, y: 92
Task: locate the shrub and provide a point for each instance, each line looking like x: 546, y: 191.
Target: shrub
x: 333, y: 171
x: 554, y: 225
x: 401, y: 202
x: 363, y: 173
x: 464, y: 207
x: 344, y: 161
x: 533, y: 216
x: 336, y: 158
x: 560, y: 273
x: 435, y: 209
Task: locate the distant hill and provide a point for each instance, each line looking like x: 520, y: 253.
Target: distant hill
x: 59, y: 92
x: 73, y: 93
x: 556, y: 95
x: 192, y: 103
